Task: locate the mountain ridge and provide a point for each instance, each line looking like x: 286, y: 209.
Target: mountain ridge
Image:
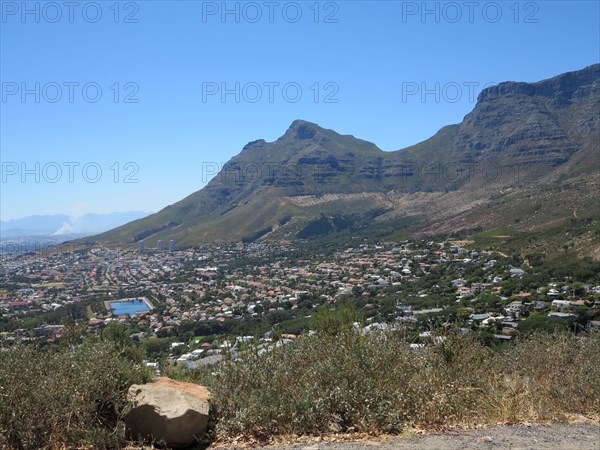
x: 518, y: 137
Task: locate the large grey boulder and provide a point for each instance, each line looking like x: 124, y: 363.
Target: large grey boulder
x: 167, y: 411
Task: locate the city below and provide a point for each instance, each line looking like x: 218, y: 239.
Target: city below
x: 189, y: 306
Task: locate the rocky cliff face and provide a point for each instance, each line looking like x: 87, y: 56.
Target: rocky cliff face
x: 517, y: 136
x: 539, y: 123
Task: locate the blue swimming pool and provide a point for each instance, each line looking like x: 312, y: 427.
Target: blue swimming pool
x: 128, y: 307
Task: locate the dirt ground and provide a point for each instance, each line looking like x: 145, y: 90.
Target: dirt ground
x: 555, y: 436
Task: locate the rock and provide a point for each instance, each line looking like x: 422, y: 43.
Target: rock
x: 167, y: 411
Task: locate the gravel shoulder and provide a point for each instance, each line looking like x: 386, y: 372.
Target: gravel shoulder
x: 576, y: 436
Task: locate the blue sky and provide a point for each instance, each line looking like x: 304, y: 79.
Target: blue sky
x: 360, y: 67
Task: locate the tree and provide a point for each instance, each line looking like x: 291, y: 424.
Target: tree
x: 115, y: 332
x: 73, y: 331
x: 537, y: 322
x: 335, y: 321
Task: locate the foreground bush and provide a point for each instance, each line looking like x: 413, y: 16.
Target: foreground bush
x: 73, y: 397
x: 376, y: 383
x: 64, y: 397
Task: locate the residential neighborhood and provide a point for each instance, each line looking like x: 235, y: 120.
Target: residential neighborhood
x: 216, y: 299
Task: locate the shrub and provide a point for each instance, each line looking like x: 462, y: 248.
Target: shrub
x: 64, y: 396
x: 377, y: 383
x: 340, y: 320
x: 74, y: 396
x: 547, y: 377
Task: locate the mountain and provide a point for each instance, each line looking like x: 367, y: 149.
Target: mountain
x: 46, y: 224
x: 62, y: 224
x: 525, y: 157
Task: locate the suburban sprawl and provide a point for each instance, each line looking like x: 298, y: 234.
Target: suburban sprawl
x: 209, y: 302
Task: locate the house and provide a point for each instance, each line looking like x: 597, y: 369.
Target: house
x: 517, y: 273
x: 539, y: 304
x: 509, y: 326
x: 492, y: 320
x: 560, y: 315
x: 459, y: 282
x: 509, y: 323
x: 477, y: 288
x: 515, y: 308
x: 502, y: 337
x: 560, y: 304
x: 464, y: 292
x: 18, y: 306
x: 427, y: 311
x: 480, y: 317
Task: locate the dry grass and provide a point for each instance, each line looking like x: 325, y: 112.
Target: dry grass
x: 69, y: 397
x: 322, y: 385
x: 375, y: 384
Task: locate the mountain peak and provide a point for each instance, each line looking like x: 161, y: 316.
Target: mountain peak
x: 529, y: 134
x: 302, y: 129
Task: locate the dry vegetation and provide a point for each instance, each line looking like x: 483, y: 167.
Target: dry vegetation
x: 64, y: 397
x: 331, y: 382
x: 377, y: 384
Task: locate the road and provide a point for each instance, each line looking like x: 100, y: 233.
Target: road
x: 556, y: 436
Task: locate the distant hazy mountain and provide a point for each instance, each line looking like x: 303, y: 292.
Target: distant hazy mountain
x: 526, y: 156
x: 62, y: 224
